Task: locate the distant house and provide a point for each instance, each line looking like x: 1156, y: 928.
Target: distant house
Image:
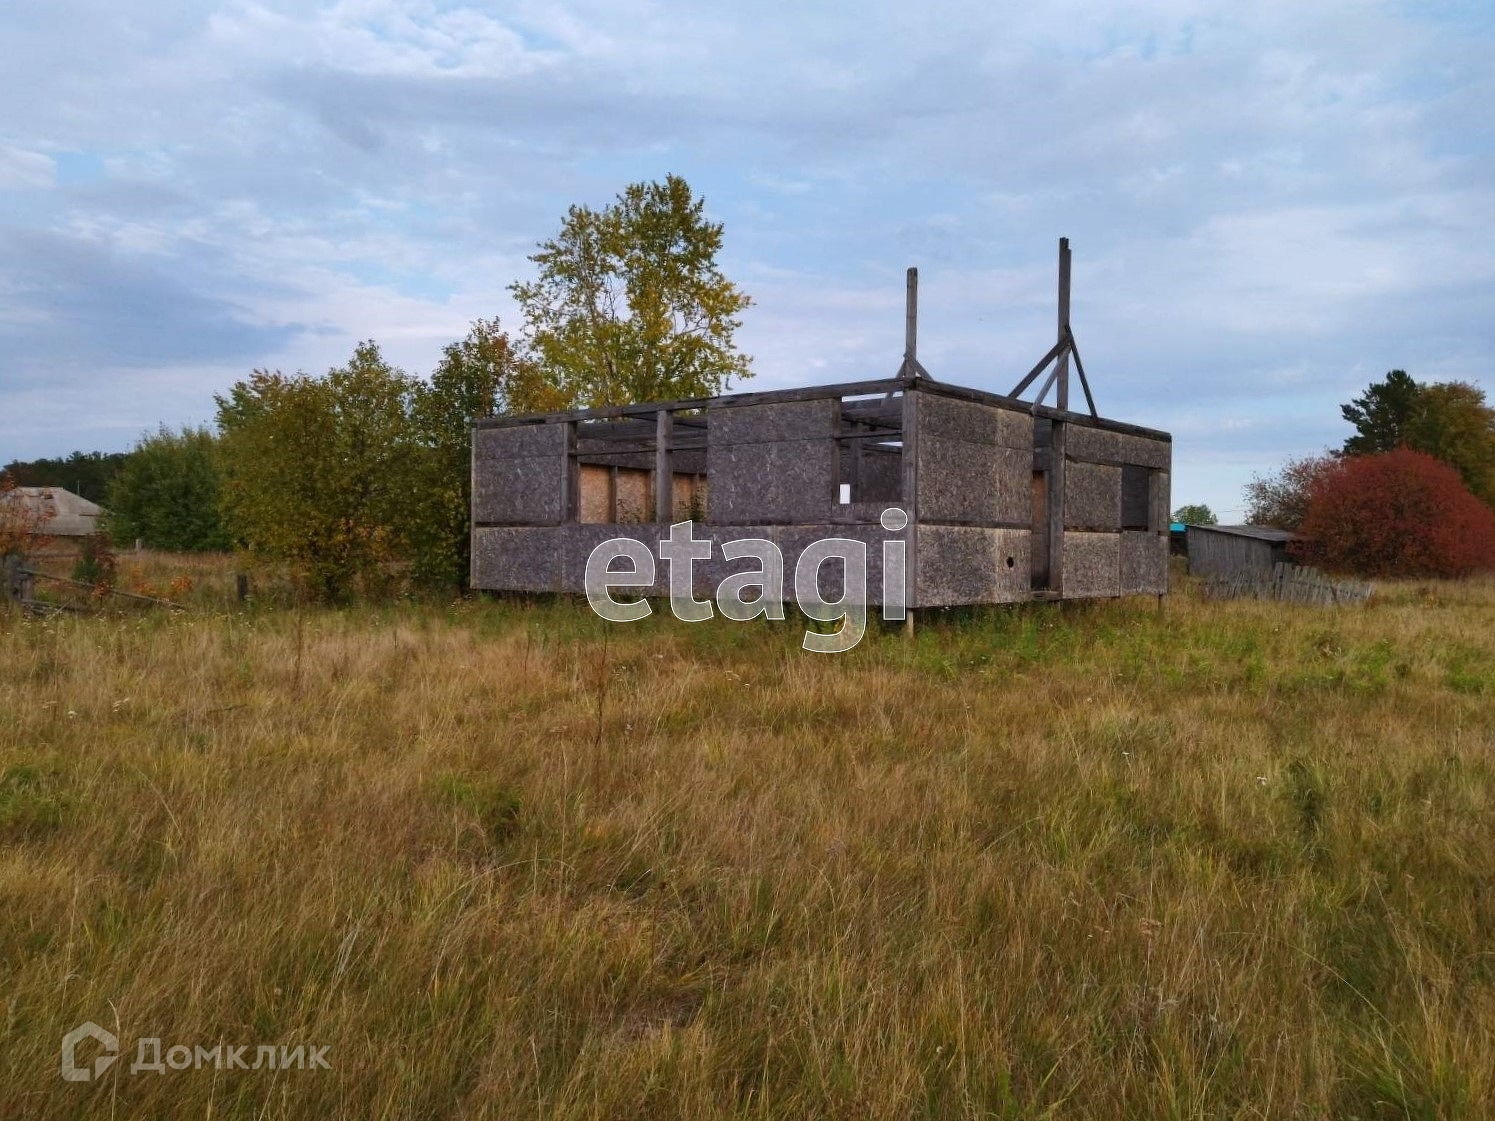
x: 1235, y: 550
x: 59, y: 512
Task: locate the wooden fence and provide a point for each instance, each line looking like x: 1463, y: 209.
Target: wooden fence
x: 1289, y: 583
x: 18, y: 585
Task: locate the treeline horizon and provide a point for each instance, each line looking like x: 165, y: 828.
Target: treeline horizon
x: 360, y: 477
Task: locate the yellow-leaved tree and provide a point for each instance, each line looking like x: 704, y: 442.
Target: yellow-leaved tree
x: 630, y: 305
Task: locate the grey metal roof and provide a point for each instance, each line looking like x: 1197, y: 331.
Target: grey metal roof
x: 1260, y: 532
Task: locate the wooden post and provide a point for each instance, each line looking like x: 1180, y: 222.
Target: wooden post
x: 1062, y: 368
x: 911, y: 318
x: 1056, y: 506
x: 570, y: 478
x: 910, y: 505
x: 664, y: 476
x: 854, y: 486
x: 241, y: 586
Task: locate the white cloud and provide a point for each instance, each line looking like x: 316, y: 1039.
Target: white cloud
x: 20, y: 169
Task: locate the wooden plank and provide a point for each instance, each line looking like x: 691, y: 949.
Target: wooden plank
x: 1074, y: 349
x: 911, y: 316
x: 1061, y: 365
x: 570, y: 479
x: 910, y: 503
x: 1038, y: 528
x: 844, y: 389
x: 981, y: 396
x: 1044, y: 392
x: 1289, y: 583
x: 728, y: 400
x: 1056, y: 508
x: 26, y: 572
x: 854, y: 475
x: 1017, y: 390
x: 664, y: 473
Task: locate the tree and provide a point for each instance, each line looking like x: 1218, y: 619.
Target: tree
x: 1453, y: 423
x: 1382, y: 414
x: 1281, y: 499
x: 166, y: 494
x: 315, y: 470
x: 1196, y: 514
x: 1447, y: 420
x: 86, y: 474
x: 479, y: 376
x: 1401, y: 513
x: 630, y: 305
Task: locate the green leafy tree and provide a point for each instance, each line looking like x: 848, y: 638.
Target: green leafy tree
x: 315, y: 469
x: 1382, y: 414
x: 479, y: 376
x: 1197, y: 514
x: 166, y: 494
x: 1453, y: 423
x: 630, y: 306
x: 1447, y: 420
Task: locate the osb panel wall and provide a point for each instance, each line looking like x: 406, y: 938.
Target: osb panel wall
x: 773, y: 462
x: 1101, y: 557
x: 554, y: 558
x: 519, y: 474
x: 975, y: 463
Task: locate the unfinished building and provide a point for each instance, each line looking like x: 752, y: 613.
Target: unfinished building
x: 1006, y: 499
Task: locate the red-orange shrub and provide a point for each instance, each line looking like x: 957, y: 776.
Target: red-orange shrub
x: 1401, y: 513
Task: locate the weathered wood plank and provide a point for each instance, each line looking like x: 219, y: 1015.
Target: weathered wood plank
x: 1061, y: 365
x: 664, y: 474
x: 1056, y: 485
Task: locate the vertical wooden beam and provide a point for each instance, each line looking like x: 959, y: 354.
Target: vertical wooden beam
x: 664, y: 471
x: 911, y: 318
x: 855, y: 475
x: 612, y: 494
x: 910, y: 505
x: 1038, y: 568
x: 1062, y: 368
x: 570, y: 478
x: 1056, y: 490
x: 837, y: 452
x: 472, y: 502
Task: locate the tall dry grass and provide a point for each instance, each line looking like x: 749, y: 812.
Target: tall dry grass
x: 1218, y: 860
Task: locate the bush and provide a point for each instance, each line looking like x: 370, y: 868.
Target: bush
x: 1398, y: 514
x: 166, y: 494
x: 95, y: 563
x: 1281, y: 499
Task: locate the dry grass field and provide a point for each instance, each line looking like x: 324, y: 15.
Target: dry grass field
x: 505, y: 860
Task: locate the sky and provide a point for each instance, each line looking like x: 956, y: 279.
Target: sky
x: 1269, y: 204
